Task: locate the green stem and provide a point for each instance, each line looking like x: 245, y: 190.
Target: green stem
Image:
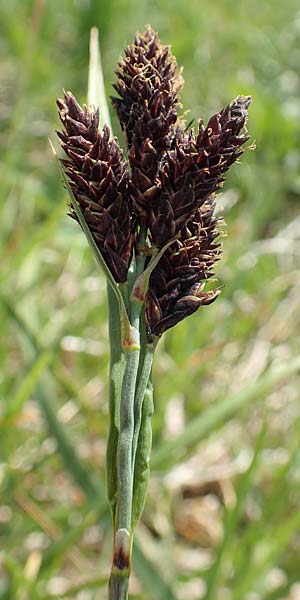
x: 143, y: 411
x: 125, y: 467
x: 125, y: 474
x: 118, y: 586
x: 116, y: 371
x: 142, y: 459
x: 148, y: 356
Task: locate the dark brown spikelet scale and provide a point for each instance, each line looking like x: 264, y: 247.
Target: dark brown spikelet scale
x: 148, y: 86
x: 195, y: 170
x: 176, y: 288
x: 99, y: 181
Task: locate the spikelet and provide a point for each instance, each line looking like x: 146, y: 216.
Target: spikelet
x: 99, y: 181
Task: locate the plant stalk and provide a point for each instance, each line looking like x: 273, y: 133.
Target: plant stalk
x: 116, y: 371
x: 129, y: 375
x: 148, y: 355
x: 118, y: 586
x: 123, y: 526
x: 123, y: 531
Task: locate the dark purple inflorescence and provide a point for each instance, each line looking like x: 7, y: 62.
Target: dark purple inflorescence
x: 167, y: 188
x: 148, y: 86
x: 194, y: 170
x: 176, y: 287
x: 99, y: 181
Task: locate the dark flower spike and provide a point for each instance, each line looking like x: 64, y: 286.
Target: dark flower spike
x: 195, y: 169
x: 168, y: 194
x: 99, y: 181
x: 148, y: 86
x: 176, y: 288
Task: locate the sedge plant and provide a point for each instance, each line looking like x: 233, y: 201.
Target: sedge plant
x: 149, y: 218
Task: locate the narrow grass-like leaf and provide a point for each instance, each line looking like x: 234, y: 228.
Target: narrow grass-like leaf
x: 14, y: 404
x: 171, y: 451
x: 155, y: 585
x: 72, y: 462
x: 271, y: 513
x: 88, y: 584
x: 96, y: 90
x: 16, y: 572
x: 231, y: 520
x: 58, y: 550
x: 45, y: 394
x: 37, y: 236
x: 270, y: 548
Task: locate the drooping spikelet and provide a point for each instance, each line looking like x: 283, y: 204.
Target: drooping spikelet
x: 99, y: 181
x: 176, y: 288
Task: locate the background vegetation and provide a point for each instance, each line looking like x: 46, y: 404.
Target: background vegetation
x: 222, y: 518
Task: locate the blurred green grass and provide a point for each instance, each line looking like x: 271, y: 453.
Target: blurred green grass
x: 231, y: 370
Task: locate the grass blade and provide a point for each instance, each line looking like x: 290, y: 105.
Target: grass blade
x: 269, y: 549
x: 217, y: 414
x: 45, y: 394
x: 14, y: 405
x: 96, y: 90
x: 231, y: 519
x: 88, y: 584
x: 154, y: 583
x: 56, y: 552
